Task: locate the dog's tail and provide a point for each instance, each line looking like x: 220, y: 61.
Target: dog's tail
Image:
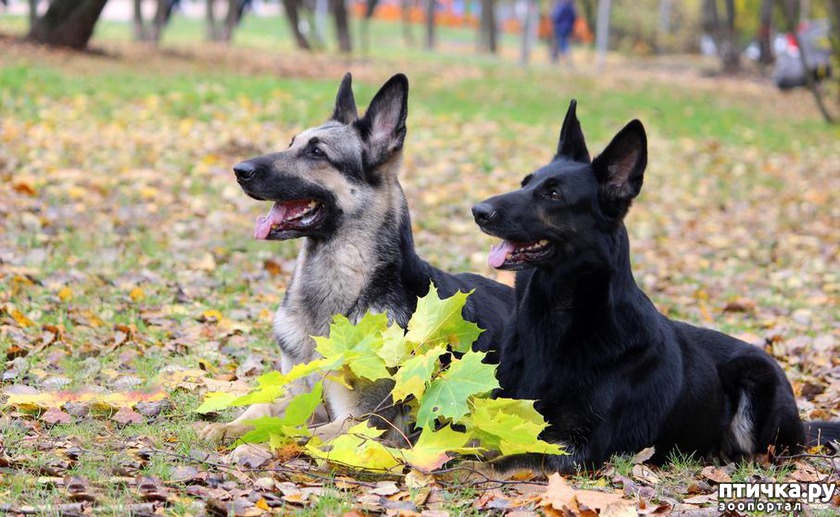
x: 821, y: 433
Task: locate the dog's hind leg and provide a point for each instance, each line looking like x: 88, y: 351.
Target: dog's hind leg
x: 765, y: 411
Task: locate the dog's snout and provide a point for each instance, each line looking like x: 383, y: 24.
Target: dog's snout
x: 483, y: 213
x: 244, y: 170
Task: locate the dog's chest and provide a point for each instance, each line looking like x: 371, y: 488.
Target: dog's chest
x: 323, y: 285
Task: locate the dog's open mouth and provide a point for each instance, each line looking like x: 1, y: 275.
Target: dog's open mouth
x: 516, y: 255
x: 298, y: 216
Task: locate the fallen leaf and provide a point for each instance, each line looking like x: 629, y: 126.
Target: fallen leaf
x: 127, y: 416
x: 716, y: 474
x: 56, y: 416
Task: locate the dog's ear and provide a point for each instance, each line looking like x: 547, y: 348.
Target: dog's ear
x: 620, y: 168
x: 383, y: 126
x: 345, y: 104
x: 572, y: 145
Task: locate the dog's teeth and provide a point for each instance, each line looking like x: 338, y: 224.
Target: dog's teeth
x: 543, y: 242
x: 311, y: 205
x: 309, y: 218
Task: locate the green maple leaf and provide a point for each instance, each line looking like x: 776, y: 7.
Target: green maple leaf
x: 270, y: 387
x: 395, y: 347
x: 415, y: 374
x: 357, y: 448
x: 216, y: 401
x: 439, y: 322
x: 447, y: 396
x: 292, y: 423
x: 509, y: 426
x: 356, y: 345
x: 433, y: 447
x: 344, y: 336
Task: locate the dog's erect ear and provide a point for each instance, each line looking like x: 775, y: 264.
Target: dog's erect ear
x: 620, y: 168
x: 345, y: 104
x: 572, y: 145
x: 383, y: 126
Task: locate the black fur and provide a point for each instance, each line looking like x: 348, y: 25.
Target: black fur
x: 612, y: 374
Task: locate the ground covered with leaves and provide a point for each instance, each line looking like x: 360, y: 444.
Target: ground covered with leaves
x: 130, y: 285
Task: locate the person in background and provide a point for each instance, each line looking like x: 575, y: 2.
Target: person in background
x: 563, y: 18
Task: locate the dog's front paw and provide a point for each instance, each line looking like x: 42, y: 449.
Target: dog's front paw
x: 230, y: 431
x: 223, y: 433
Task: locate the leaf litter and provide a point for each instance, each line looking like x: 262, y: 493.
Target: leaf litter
x: 129, y: 288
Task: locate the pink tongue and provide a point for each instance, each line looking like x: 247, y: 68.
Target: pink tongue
x: 499, y: 253
x: 265, y: 222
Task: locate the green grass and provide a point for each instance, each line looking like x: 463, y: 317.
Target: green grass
x: 678, y: 114
x: 684, y: 112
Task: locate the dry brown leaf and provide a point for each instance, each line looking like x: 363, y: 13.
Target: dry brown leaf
x: 716, y: 474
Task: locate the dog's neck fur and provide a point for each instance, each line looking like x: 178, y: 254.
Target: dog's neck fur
x: 588, y: 297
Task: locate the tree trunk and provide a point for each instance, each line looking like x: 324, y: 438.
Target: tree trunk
x: 430, y: 24
x: 487, y: 30
x: 602, y: 33
x: 33, y: 12
x: 234, y: 15
x: 723, y: 34
x: 212, y: 33
x: 528, y: 31
x: 342, y: 27
x: 730, y: 53
x: 67, y: 23
x: 139, y: 30
x: 160, y: 20
x: 765, y: 23
x: 788, y: 9
x: 152, y: 31
x: 293, y: 15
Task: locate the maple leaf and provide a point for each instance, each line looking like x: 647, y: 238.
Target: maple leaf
x: 448, y: 395
x: 297, y: 414
x: 509, y: 426
x: 345, y: 336
x: 394, y: 347
x: 270, y: 387
x: 273, y: 385
x: 357, y: 448
x: 433, y: 447
x: 356, y: 344
x: 439, y: 322
x: 216, y: 401
x: 415, y: 374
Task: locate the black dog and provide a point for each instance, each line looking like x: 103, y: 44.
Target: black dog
x: 612, y: 374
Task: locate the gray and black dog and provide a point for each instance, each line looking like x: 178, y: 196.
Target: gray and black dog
x: 336, y: 187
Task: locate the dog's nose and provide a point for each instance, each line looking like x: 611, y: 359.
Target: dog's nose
x: 483, y: 213
x: 244, y: 170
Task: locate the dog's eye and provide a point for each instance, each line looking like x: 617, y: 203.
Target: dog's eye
x: 317, y: 153
x: 554, y: 193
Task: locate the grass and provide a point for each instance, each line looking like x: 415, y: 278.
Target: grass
x: 121, y: 193
x: 678, y: 112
